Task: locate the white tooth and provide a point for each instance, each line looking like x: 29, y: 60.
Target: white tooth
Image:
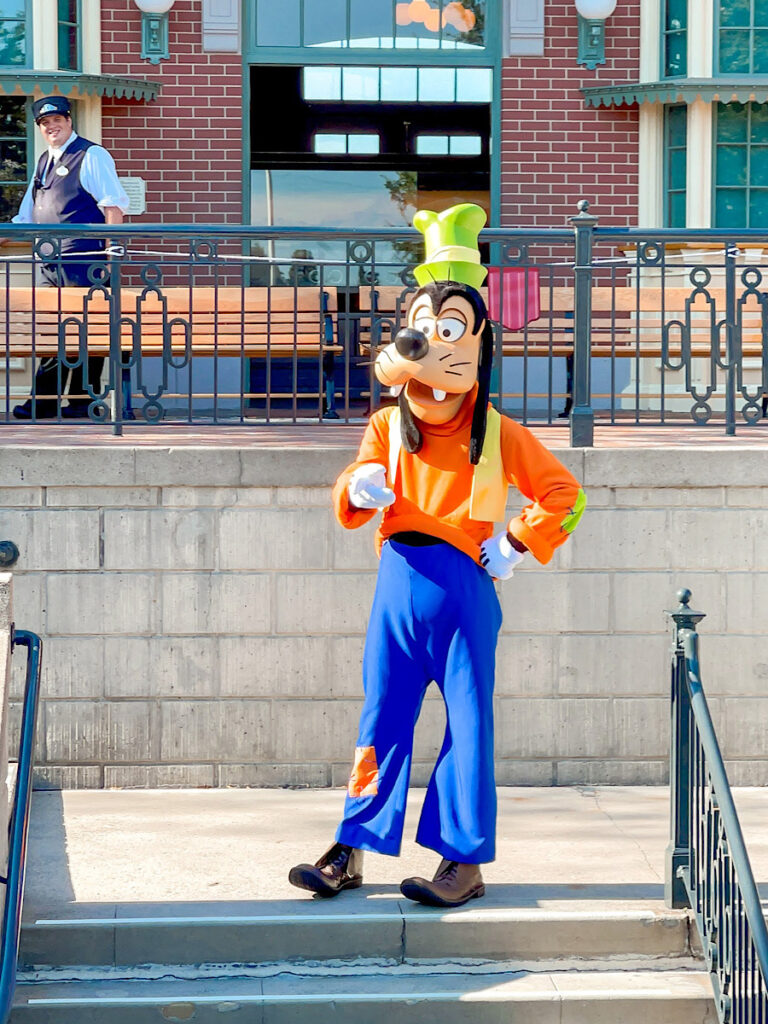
x: 439, y: 395
x: 396, y: 389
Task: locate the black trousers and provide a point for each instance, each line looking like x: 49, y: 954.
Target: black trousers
x: 53, y: 378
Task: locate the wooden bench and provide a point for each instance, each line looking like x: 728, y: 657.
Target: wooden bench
x: 626, y: 322
x: 176, y: 322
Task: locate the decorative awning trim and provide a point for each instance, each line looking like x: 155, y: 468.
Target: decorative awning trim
x: 25, y: 81
x: 678, y: 90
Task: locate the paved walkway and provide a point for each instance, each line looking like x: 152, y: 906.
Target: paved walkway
x: 558, y: 847
x: 336, y: 435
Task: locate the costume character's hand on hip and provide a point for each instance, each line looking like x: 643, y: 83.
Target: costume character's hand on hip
x: 368, y: 487
x: 498, y: 557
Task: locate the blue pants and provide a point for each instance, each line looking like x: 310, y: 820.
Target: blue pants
x: 435, y: 616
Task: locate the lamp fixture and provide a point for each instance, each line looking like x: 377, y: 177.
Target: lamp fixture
x: 154, y: 29
x: 592, y: 17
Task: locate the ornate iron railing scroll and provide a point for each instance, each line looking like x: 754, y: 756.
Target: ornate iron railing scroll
x: 708, y: 867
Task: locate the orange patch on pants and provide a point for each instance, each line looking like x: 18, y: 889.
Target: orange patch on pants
x: 364, y: 780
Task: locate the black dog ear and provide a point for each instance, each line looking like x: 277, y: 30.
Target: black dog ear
x: 409, y: 432
x: 480, y: 415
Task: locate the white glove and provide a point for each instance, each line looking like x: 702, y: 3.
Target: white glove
x: 368, y: 487
x: 498, y: 557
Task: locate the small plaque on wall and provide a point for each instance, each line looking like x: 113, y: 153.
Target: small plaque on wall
x: 136, y: 190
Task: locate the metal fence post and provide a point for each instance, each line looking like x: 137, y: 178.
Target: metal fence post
x: 731, y: 329
x: 678, y: 850
x: 582, y: 414
x: 115, y: 348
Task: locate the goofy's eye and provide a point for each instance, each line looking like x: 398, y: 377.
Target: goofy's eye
x: 450, y: 328
x: 425, y: 324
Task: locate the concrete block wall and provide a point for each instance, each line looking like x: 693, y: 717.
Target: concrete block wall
x: 204, y: 617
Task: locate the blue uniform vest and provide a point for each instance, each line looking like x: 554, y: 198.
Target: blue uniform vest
x: 61, y: 199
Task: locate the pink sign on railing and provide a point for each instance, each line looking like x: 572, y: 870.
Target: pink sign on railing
x: 517, y: 302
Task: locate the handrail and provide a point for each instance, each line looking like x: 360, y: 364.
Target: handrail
x: 708, y: 867
x: 19, y: 823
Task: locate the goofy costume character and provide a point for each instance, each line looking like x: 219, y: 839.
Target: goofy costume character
x: 439, y: 465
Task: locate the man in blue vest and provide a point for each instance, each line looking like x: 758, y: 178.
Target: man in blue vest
x: 75, y: 182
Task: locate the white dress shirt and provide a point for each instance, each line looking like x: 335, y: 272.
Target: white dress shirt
x: 98, y: 176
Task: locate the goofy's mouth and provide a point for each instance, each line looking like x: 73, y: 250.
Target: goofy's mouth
x: 420, y: 393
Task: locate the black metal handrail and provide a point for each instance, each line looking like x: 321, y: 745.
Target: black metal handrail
x: 708, y: 867
x: 19, y: 822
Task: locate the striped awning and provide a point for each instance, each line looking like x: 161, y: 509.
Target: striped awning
x: 24, y: 82
x: 677, y: 90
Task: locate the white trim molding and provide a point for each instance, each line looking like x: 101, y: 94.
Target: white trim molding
x: 523, y: 28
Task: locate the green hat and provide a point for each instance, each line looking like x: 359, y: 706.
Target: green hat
x: 450, y: 238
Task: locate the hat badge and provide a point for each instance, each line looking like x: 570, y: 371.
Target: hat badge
x: 48, y: 108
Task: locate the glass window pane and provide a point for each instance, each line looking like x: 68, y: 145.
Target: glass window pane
x: 731, y: 165
x: 437, y: 85
x: 13, y: 160
x: 358, y: 84
x: 758, y: 208
x: 758, y: 167
x: 431, y: 145
x: 761, y: 13
x: 325, y: 21
x: 359, y: 142
x: 731, y: 122
x: 474, y: 85
x: 676, y: 210
x: 278, y: 24
x: 730, y: 208
x: 760, y: 51
x: 677, y: 14
x: 370, y: 19
x: 68, y: 56
x: 68, y: 10
x: 322, y: 83
x: 734, y: 51
x: 465, y: 145
x: 677, y: 126
x: 759, y: 123
x: 677, y: 165
x: 464, y: 22
x: 734, y: 12
x: 327, y: 143
x: 12, y: 42
x: 676, y: 54
x: 10, y: 199
x: 12, y: 9
x: 399, y: 85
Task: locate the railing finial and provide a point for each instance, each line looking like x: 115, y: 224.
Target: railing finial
x: 683, y: 616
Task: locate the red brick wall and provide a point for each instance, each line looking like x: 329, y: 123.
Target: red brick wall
x: 556, y: 150
x: 188, y: 144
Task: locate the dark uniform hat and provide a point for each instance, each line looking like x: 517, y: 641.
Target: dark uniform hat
x: 50, y: 105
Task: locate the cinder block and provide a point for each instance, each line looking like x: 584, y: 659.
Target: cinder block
x: 601, y: 497
x: 324, y: 602
x: 355, y: 549
x: 584, y: 727
x: 21, y: 497
x: 511, y: 772
x: 53, y: 539
x: 158, y: 539
x: 102, y: 603
x: 746, y: 603
x: 747, y: 773
x: 101, y: 497
x: 316, y: 730
x: 611, y: 772
x: 525, y: 665
x: 734, y: 666
x: 345, y: 675
x: 159, y: 776
x: 640, y: 727
x: 72, y: 667
x: 131, y: 731
x: 186, y: 666
x: 217, y: 731
x: 129, y: 665
x: 302, y: 497
x: 28, y: 604
x: 218, y: 466
x: 266, y: 666
x: 68, y: 776
x: 202, y: 603
x: 274, y: 538
x: 274, y: 776
x: 668, y: 467
x: 78, y: 731
x: 316, y: 466
x: 619, y: 538
x: 216, y: 497
x: 556, y: 601
x: 715, y: 539
x: 746, y: 497
x: 640, y: 599
x: 525, y: 728
x: 613, y: 664
x: 640, y: 498
x: 745, y: 726
x: 99, y: 466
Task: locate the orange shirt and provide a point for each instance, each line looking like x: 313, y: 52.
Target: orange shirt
x: 433, y: 487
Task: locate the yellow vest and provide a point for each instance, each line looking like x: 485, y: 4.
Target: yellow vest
x: 488, y: 499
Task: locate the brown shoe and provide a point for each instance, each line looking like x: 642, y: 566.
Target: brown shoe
x: 452, y: 885
x: 340, y: 867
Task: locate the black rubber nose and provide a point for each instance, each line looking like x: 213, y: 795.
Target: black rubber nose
x: 411, y: 344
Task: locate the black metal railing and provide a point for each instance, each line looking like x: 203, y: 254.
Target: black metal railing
x: 254, y: 324
x: 708, y: 867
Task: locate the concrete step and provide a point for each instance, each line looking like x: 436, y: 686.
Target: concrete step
x: 451, y: 993
x: 322, y: 930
